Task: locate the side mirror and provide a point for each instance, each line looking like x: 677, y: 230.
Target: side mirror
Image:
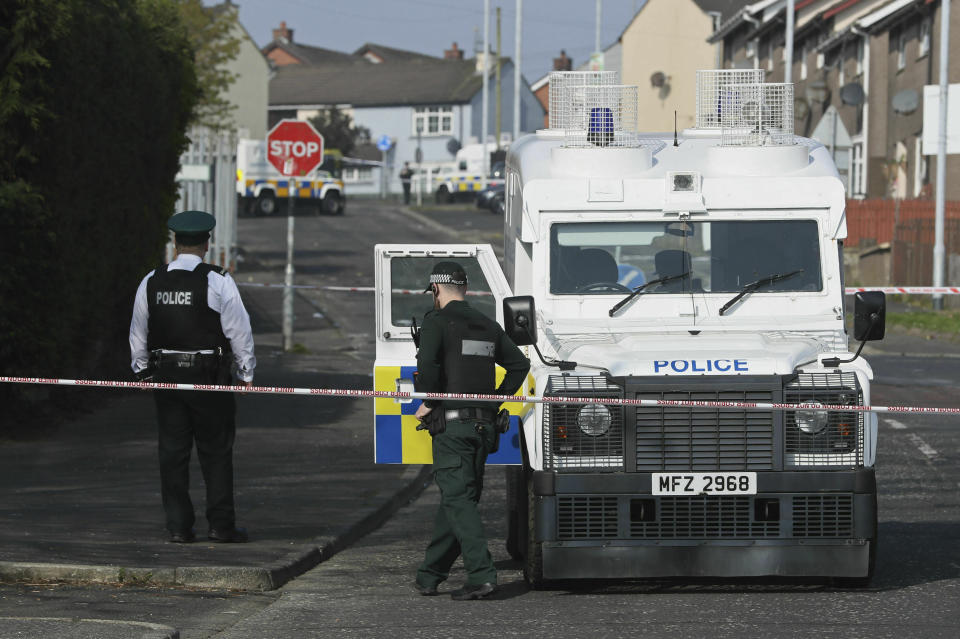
x: 869, y: 316
x: 519, y: 320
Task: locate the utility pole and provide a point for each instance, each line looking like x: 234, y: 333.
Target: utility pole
x: 596, y: 38
x: 485, y: 110
x: 497, y: 112
x: 941, y: 153
x: 788, y: 45
x: 517, y: 48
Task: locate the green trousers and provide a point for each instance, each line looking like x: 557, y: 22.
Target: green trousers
x: 459, y: 456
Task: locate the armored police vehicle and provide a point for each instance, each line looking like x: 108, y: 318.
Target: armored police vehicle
x: 696, y: 265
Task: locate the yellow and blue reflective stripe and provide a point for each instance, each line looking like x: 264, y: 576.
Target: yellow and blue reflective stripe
x: 397, y: 440
x: 281, y: 188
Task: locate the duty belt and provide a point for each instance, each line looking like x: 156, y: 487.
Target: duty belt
x: 185, y: 360
x: 486, y: 414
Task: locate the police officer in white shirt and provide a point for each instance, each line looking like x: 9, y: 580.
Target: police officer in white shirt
x: 188, y: 324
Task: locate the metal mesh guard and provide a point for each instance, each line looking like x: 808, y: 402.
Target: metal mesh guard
x: 757, y: 114
x: 840, y: 442
x: 560, y: 84
x: 603, y: 116
x: 711, y: 90
x: 565, y: 445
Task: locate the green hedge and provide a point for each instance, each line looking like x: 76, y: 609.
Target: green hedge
x: 95, y: 99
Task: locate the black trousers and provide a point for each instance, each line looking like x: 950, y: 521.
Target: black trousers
x: 207, y: 419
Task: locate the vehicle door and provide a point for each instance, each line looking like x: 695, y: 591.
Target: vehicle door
x: 402, y: 272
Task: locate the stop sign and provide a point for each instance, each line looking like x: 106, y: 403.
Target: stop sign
x: 294, y: 147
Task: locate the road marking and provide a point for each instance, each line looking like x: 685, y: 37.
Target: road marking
x: 895, y: 424
x: 922, y: 446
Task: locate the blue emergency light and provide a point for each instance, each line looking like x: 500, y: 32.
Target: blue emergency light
x: 600, y: 128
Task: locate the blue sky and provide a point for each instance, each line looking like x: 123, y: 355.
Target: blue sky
x: 430, y: 26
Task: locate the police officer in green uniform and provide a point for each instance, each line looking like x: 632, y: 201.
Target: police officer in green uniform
x: 189, y: 326
x: 458, y: 350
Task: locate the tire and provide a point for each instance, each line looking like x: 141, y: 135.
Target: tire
x: 443, y: 195
x: 516, y: 512
x: 332, y: 205
x: 533, y: 560
x: 265, y: 204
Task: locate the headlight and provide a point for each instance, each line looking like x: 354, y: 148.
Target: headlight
x: 812, y: 421
x: 594, y: 420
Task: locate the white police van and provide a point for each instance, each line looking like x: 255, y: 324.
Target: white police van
x: 699, y: 265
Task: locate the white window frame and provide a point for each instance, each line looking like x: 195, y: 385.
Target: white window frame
x: 421, y: 117
x: 857, y: 187
x: 861, y: 54
x: 803, y: 61
x: 902, y: 50
x: 919, y: 166
x: 923, y: 43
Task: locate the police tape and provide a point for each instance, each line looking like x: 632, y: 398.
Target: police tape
x: 850, y: 290
x: 479, y: 397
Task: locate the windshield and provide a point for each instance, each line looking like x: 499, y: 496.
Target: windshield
x: 611, y: 258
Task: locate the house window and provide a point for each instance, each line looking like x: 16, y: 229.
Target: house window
x: 752, y: 52
x: 901, y: 51
x: 803, y: 61
x: 433, y: 120
x: 358, y: 174
x: 856, y: 185
x: 923, y: 46
x: 770, y: 51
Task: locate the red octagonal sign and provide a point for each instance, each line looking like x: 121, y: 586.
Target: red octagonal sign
x: 294, y: 147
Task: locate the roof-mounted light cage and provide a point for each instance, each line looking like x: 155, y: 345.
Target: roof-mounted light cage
x: 601, y: 116
x: 757, y: 114
x: 563, y: 110
x: 711, y: 92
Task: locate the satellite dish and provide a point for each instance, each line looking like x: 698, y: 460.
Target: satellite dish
x: 906, y: 102
x: 453, y: 145
x: 657, y: 79
x: 852, y: 94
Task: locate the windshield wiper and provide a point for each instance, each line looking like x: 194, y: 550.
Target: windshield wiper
x: 752, y: 286
x: 640, y: 289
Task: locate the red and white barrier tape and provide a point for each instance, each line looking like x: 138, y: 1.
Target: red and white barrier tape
x: 499, y: 399
x: 850, y: 290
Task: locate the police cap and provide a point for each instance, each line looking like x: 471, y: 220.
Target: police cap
x: 447, y: 273
x: 192, y: 227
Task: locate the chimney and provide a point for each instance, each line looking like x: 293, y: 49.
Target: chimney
x: 284, y: 34
x: 563, y: 63
x: 453, y: 53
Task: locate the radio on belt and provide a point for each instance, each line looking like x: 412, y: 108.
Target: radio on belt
x: 704, y: 265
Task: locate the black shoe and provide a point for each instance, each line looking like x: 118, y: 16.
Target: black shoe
x: 426, y: 591
x: 232, y: 536
x: 183, y: 537
x: 473, y: 592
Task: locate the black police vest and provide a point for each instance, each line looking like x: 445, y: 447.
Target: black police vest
x: 180, y: 319
x: 469, y: 354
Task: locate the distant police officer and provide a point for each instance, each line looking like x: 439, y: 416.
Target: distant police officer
x: 187, y: 321
x: 458, y: 350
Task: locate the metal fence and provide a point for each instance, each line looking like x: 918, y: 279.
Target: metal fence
x: 207, y: 182
x: 871, y: 222
x: 913, y: 243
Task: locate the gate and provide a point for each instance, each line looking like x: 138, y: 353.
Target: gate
x: 207, y: 182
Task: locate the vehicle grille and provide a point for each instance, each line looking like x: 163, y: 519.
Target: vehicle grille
x: 704, y: 517
x: 823, y: 516
x: 705, y: 438
x: 700, y: 517
x: 840, y: 442
x: 587, y: 517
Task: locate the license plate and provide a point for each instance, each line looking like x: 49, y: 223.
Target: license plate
x: 704, y: 483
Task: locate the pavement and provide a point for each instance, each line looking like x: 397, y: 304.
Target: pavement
x: 83, y: 505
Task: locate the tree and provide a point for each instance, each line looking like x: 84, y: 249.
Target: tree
x: 214, y: 35
x: 338, y: 130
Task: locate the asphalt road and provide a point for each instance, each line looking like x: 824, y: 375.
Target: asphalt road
x: 366, y: 591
